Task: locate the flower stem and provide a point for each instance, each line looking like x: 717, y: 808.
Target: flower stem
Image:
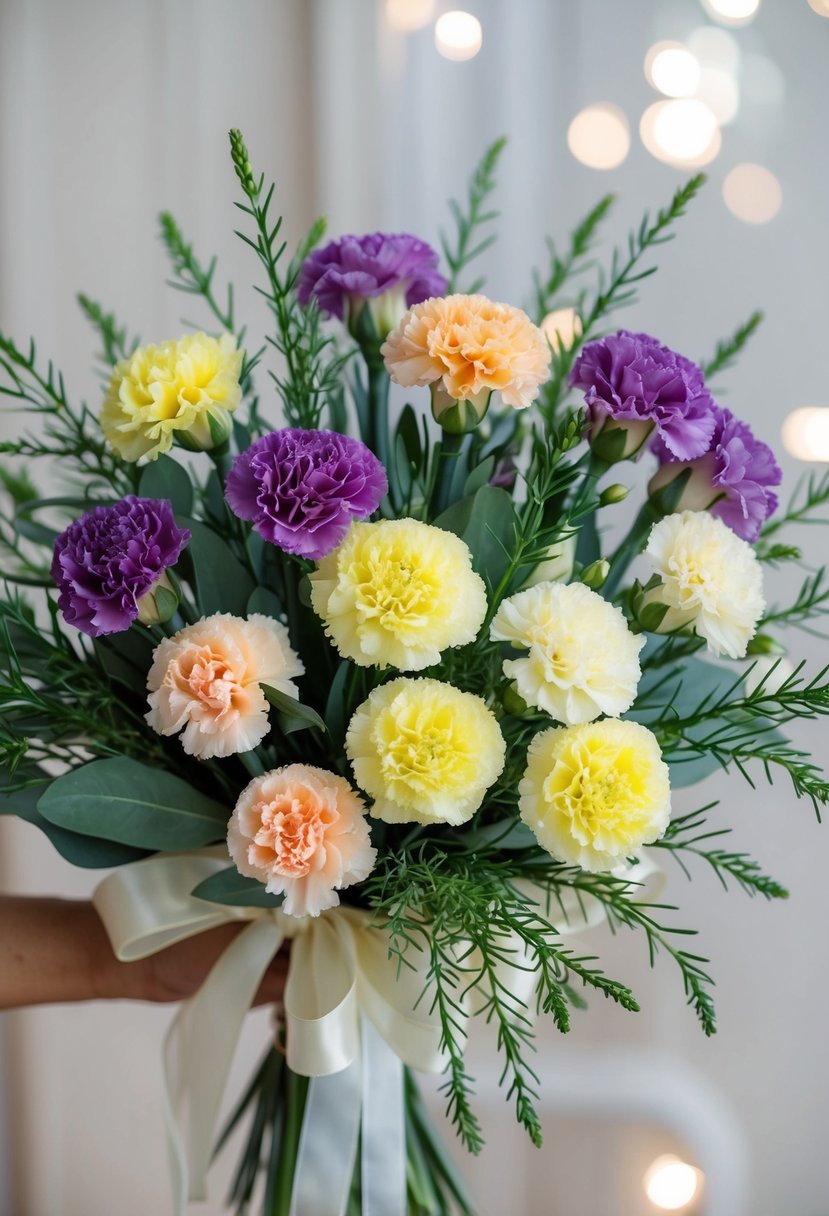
x: 449, y: 450
x: 295, y: 1092
x: 377, y: 436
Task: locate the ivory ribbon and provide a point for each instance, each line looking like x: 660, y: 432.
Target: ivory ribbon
x: 353, y: 1018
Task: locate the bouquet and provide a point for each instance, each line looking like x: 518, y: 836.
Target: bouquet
x: 366, y: 672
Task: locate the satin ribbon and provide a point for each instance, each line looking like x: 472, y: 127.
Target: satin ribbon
x: 353, y: 1018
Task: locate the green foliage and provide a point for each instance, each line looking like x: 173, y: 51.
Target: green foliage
x: 115, y: 341
x: 467, y: 243
x: 689, y: 835
x: 231, y: 887
x: 728, y: 350
x: 572, y: 262
x: 122, y: 800
x: 811, y: 494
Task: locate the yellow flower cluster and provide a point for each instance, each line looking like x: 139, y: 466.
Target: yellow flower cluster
x: 184, y: 391
x: 398, y: 592
x: 594, y: 794
x: 424, y: 751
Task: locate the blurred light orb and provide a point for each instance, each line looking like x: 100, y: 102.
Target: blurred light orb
x: 561, y: 328
x: 718, y: 89
x: 761, y: 80
x: 732, y: 12
x: 458, y: 35
x: 409, y: 15
x: 715, y: 46
x: 821, y: 7
x: 805, y: 434
x: 752, y: 193
x: 672, y: 69
x: 683, y: 132
x: 599, y: 136
x: 671, y: 1184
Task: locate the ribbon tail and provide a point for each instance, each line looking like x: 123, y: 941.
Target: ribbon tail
x: 328, y: 1144
x: 384, y: 1128
x: 198, y: 1052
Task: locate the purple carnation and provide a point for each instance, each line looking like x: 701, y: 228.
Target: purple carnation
x: 368, y: 266
x: 738, y: 469
x: 632, y: 378
x: 106, y: 560
x: 301, y: 489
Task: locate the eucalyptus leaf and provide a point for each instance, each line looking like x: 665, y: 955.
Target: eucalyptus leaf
x: 165, y: 478
x: 221, y: 583
x: 264, y: 602
x: 231, y: 887
x: 293, y: 715
x: 128, y: 802
x: 484, y: 520
x: 481, y: 475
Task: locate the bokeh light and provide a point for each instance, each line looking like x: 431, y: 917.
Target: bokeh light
x: 718, y: 90
x: 672, y: 69
x: 715, y: 46
x: 458, y: 35
x: 821, y: 7
x: 561, y: 328
x: 752, y: 193
x: 806, y: 434
x: 409, y: 15
x: 599, y: 136
x: 671, y: 1184
x: 761, y: 80
x: 732, y: 12
x: 683, y: 132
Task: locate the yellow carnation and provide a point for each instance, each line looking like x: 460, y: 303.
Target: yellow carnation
x: 470, y: 347
x: 424, y: 751
x: 184, y: 391
x: 398, y: 592
x: 583, y: 660
x: 594, y: 794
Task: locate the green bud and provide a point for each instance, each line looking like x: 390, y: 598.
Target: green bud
x: 613, y: 494
x: 764, y: 644
x: 513, y: 702
x: 596, y: 573
x: 652, y: 615
x: 159, y: 603
x: 459, y: 417
x: 211, y: 430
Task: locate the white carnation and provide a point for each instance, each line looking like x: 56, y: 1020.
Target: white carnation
x: 712, y: 581
x: 582, y: 659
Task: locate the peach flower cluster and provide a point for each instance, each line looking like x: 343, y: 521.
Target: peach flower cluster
x: 302, y: 832
x: 469, y: 346
x: 205, y: 681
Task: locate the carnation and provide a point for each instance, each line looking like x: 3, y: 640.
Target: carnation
x: 593, y: 794
x: 391, y: 270
x: 106, y: 561
x: 633, y: 382
x: 301, y: 489
x: 302, y: 832
x: 424, y: 751
x: 712, y: 582
x: 205, y: 682
x: 396, y: 593
x: 184, y: 391
x: 582, y: 659
x: 467, y: 347
x: 733, y: 479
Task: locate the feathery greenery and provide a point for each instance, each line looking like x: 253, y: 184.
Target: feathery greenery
x: 467, y: 243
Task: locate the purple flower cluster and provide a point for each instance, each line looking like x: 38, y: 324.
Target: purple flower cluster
x: 633, y: 379
x: 109, y: 558
x: 368, y: 266
x: 301, y: 489
x: 736, y: 474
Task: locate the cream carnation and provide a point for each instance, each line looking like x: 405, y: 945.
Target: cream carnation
x: 470, y: 345
x: 205, y: 681
x: 184, y: 390
x: 398, y: 592
x: 303, y: 832
x: 594, y: 794
x: 582, y: 659
x: 712, y: 581
x: 424, y: 751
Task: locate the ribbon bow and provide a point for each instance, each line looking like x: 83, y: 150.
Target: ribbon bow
x: 353, y: 1018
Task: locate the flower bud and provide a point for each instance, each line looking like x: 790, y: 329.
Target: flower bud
x: 765, y: 644
x: 698, y: 492
x: 210, y: 430
x: 613, y: 494
x: 458, y: 417
x: 595, y: 575
x: 613, y: 440
x: 513, y: 702
x: 159, y: 603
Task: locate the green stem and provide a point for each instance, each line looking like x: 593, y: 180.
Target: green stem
x: 632, y: 545
x: 377, y: 436
x: 296, y: 1089
x: 449, y: 450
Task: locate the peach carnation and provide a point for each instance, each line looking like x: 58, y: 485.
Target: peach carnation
x: 303, y: 832
x: 472, y: 346
x: 205, y: 681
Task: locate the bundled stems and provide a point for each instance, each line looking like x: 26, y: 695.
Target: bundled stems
x: 449, y: 450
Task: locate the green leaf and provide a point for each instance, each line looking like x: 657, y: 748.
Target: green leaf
x: 480, y: 476
x: 293, y: 715
x: 125, y: 657
x: 122, y: 800
x: 483, y: 520
x: 231, y: 887
x: 165, y: 478
x: 222, y: 584
x: 335, y: 706
x: 265, y: 602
